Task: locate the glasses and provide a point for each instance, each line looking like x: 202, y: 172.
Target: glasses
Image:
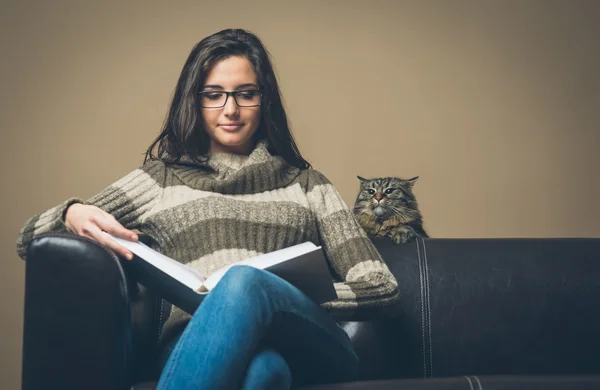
x: 218, y: 99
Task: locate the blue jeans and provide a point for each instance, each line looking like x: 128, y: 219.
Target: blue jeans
x: 257, y: 331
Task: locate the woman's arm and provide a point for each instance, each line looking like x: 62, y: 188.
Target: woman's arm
x: 129, y: 199
x: 368, y: 288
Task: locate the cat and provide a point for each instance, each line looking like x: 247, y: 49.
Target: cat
x: 387, y: 208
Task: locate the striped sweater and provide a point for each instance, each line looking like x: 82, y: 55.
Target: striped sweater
x: 234, y: 207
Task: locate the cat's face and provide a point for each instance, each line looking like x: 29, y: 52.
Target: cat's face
x: 385, y: 196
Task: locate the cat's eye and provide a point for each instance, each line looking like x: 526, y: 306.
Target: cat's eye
x: 389, y: 190
x: 371, y: 191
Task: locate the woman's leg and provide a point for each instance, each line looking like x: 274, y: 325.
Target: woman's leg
x: 268, y: 370
x: 247, y: 311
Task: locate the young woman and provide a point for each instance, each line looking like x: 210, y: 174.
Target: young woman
x: 225, y: 181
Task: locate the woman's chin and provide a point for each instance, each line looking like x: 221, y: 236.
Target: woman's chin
x: 232, y: 144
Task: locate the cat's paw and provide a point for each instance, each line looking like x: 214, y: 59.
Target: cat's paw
x: 403, y: 236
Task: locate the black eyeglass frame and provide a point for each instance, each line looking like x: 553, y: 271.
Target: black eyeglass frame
x: 234, y: 94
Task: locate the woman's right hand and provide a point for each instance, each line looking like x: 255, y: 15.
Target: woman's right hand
x: 89, y: 221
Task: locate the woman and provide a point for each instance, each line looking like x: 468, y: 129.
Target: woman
x: 227, y: 182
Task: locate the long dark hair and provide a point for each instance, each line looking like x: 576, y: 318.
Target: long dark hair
x: 183, y: 133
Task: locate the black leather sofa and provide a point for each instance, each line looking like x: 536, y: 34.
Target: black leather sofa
x: 476, y: 314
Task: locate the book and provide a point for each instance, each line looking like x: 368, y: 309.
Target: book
x: 303, y: 265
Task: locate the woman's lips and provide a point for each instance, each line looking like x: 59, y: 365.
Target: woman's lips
x: 231, y: 127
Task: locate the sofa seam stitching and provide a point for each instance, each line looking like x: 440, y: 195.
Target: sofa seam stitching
x: 160, y: 319
x: 428, y: 307
x: 422, y: 312
x: 470, y: 382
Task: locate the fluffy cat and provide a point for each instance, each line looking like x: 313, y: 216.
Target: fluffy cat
x: 387, y: 207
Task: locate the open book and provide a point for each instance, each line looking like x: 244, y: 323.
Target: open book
x: 303, y: 265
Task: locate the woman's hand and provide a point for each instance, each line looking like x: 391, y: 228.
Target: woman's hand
x: 89, y: 221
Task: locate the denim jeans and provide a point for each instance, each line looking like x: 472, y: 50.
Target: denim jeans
x: 256, y: 331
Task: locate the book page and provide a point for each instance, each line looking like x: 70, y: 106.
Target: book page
x: 186, y: 275
x: 262, y: 262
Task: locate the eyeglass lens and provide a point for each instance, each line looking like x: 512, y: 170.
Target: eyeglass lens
x: 242, y: 98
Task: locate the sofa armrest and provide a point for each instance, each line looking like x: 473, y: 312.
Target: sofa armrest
x: 77, y: 325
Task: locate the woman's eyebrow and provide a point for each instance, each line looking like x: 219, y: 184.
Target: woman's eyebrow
x: 216, y: 86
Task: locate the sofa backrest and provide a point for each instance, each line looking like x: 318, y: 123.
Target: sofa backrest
x: 486, y: 307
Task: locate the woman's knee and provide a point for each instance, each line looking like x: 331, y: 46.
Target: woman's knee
x: 244, y: 287
x: 241, y: 280
x: 268, y: 370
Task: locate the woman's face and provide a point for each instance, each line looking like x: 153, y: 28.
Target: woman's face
x: 231, y: 127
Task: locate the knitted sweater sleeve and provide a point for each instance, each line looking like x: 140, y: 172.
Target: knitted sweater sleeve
x: 367, y: 286
x: 129, y: 200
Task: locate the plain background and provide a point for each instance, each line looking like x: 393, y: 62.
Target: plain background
x: 495, y: 105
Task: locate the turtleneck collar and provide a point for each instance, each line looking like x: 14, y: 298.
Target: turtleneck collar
x: 230, y: 173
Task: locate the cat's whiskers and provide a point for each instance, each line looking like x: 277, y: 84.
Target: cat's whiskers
x: 359, y: 211
x: 405, y: 215
x: 393, y: 208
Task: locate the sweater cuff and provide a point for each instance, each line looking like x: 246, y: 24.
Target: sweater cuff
x: 65, y: 206
x: 362, y: 299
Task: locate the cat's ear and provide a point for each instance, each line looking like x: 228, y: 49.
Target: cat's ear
x: 411, y: 181
x: 361, y: 179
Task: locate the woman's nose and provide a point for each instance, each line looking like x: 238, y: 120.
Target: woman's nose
x: 231, y: 107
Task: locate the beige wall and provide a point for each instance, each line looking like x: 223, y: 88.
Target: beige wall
x: 494, y: 105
